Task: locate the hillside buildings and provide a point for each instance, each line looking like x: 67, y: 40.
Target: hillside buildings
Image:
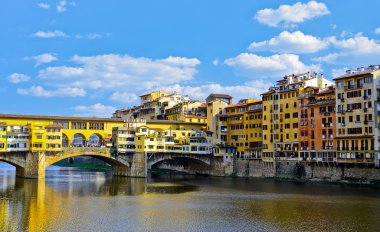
x: 303, y: 117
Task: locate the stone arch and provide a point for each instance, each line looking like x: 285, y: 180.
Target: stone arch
x: 95, y: 140
x: 14, y: 163
x: 65, y: 140
x: 78, y: 140
x: 186, y: 161
x: 105, y: 157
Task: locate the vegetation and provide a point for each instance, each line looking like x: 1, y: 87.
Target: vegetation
x: 92, y: 166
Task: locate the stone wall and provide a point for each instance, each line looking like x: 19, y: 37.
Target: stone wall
x: 254, y: 168
x: 303, y: 170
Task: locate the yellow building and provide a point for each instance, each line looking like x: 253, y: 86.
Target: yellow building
x: 241, y: 127
x: 152, y: 106
x: 357, y: 132
x: 215, y: 104
x: 187, y: 111
x: 158, y: 136
x: 51, y: 133
x: 280, y: 115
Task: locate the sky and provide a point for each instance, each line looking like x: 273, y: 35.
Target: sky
x: 89, y: 58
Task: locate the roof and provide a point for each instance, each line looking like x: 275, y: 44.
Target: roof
x: 64, y: 118
x: 268, y: 92
x: 358, y: 73
x: 219, y: 95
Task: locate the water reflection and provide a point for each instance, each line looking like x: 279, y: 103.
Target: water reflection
x: 77, y: 200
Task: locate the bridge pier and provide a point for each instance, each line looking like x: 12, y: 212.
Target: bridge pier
x: 137, y: 166
x: 34, y: 166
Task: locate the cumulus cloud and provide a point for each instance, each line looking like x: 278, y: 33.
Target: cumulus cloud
x: 291, y: 42
x: 39, y: 91
x: 338, y: 72
x: 63, y: 5
x: 255, y: 66
x: 125, y: 97
x: 43, y: 58
x: 377, y: 31
x: 251, y: 89
x: 121, y: 71
x: 358, y: 48
x: 50, y: 34
x: 16, y: 78
x: 43, y: 5
x: 96, y: 110
x: 291, y: 15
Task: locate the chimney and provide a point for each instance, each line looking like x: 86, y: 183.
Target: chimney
x: 315, y: 74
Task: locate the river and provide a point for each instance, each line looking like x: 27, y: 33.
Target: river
x: 72, y: 199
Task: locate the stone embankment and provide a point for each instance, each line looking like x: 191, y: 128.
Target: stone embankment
x: 330, y: 172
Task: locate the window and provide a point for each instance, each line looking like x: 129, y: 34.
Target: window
x: 78, y: 125
x: 340, y: 83
x: 96, y: 126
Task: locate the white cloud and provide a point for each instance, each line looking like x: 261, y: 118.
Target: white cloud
x: 255, y: 66
x: 338, y: 72
x: 377, y: 31
x: 290, y: 15
x: 89, y: 36
x: 18, y: 78
x: 43, y: 58
x: 291, y: 42
x: 50, y: 34
x: 96, y: 110
x: 357, y: 49
x: 63, y: 5
x: 125, y: 97
x: 39, y: 91
x: 215, y: 62
x: 43, y: 5
x: 118, y: 72
x: 251, y: 89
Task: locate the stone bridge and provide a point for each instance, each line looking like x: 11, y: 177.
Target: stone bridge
x: 33, y: 164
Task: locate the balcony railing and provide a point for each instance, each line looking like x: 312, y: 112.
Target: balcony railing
x: 351, y: 87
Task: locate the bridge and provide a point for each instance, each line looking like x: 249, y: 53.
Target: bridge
x: 33, y: 164
x: 32, y: 143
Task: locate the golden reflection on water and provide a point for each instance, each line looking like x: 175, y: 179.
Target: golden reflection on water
x: 72, y: 201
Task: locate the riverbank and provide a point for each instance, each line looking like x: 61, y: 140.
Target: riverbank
x: 347, y: 174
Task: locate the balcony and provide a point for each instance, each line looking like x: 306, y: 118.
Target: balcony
x: 353, y: 87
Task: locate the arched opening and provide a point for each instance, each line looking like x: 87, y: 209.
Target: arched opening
x: 65, y: 140
x: 95, y: 140
x: 181, y: 164
x: 79, y: 140
x: 84, y: 162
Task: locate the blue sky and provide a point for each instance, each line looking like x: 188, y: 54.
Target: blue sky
x: 89, y: 58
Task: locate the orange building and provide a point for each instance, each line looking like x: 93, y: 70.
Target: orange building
x: 317, y: 124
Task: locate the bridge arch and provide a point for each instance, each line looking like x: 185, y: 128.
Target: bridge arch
x: 188, y: 162
x: 95, y: 140
x: 65, y: 140
x: 78, y: 140
x: 95, y: 153
x: 14, y: 163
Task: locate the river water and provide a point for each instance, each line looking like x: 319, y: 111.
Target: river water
x: 77, y: 200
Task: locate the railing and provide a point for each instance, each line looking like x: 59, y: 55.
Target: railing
x: 97, y: 150
x: 351, y: 87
